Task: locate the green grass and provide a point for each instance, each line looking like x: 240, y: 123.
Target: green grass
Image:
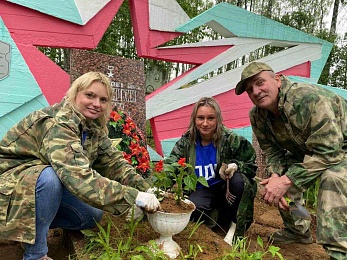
x: 111, y: 242
x: 240, y: 251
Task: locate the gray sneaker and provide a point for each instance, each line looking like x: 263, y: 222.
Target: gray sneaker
x: 286, y: 237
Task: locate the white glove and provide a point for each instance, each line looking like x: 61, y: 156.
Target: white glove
x: 227, y: 171
x: 154, y: 190
x: 147, y: 201
x: 134, y: 213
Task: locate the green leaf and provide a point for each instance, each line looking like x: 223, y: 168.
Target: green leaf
x: 134, y: 161
x: 273, y: 250
x: 167, y: 183
x: 190, y: 181
x: 260, y: 242
x: 168, y: 168
x: 88, y: 233
x: 202, y: 181
x: 175, y: 165
x: 112, y: 123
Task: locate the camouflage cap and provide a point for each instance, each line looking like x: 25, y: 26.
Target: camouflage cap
x: 251, y: 70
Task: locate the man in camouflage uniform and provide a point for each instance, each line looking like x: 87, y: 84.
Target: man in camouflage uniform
x: 301, y: 129
x: 58, y: 169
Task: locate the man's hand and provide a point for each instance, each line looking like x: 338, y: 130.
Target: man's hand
x: 275, y: 188
x: 227, y: 171
x: 283, y: 204
x: 147, y: 201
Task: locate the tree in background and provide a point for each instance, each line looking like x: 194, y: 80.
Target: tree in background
x: 61, y: 56
x: 335, y: 14
x: 118, y: 39
x: 339, y: 59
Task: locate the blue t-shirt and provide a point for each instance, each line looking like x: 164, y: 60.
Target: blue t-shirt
x: 206, y: 163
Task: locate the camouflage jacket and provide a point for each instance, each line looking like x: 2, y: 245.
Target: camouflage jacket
x: 232, y: 149
x: 95, y: 172
x: 313, y: 121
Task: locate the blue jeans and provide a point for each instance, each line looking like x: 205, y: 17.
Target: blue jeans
x: 57, y: 207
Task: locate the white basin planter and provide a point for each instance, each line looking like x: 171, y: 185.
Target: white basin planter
x: 167, y: 225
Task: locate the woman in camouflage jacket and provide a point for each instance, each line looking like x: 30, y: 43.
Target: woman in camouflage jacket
x: 58, y: 169
x: 206, y: 145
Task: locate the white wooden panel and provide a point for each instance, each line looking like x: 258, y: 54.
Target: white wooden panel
x: 217, y: 27
x: 88, y: 9
x: 166, y: 15
x: 74, y: 11
x: 172, y: 98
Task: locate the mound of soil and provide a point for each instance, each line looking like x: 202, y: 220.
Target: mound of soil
x: 266, y: 220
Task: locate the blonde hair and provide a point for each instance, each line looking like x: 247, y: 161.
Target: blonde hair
x: 194, y: 132
x: 83, y: 82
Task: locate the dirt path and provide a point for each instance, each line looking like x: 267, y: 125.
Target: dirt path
x: 266, y: 220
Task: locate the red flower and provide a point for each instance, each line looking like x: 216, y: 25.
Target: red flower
x: 126, y: 129
x: 182, y: 162
x: 127, y: 157
x: 143, y: 164
x: 136, y: 137
x: 135, y: 149
x: 115, y: 116
x: 131, y: 123
x: 144, y: 152
x: 159, y: 166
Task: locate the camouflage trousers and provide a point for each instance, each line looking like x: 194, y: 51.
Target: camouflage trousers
x: 331, y: 212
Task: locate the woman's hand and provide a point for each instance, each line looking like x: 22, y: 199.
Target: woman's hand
x: 147, y: 201
x: 227, y: 171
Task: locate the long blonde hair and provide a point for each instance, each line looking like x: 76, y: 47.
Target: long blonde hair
x: 83, y: 82
x: 194, y: 132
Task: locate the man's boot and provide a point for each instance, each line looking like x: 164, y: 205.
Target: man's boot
x: 286, y: 237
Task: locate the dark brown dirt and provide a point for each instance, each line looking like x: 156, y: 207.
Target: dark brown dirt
x: 57, y: 245
x: 169, y: 204
x: 266, y: 220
